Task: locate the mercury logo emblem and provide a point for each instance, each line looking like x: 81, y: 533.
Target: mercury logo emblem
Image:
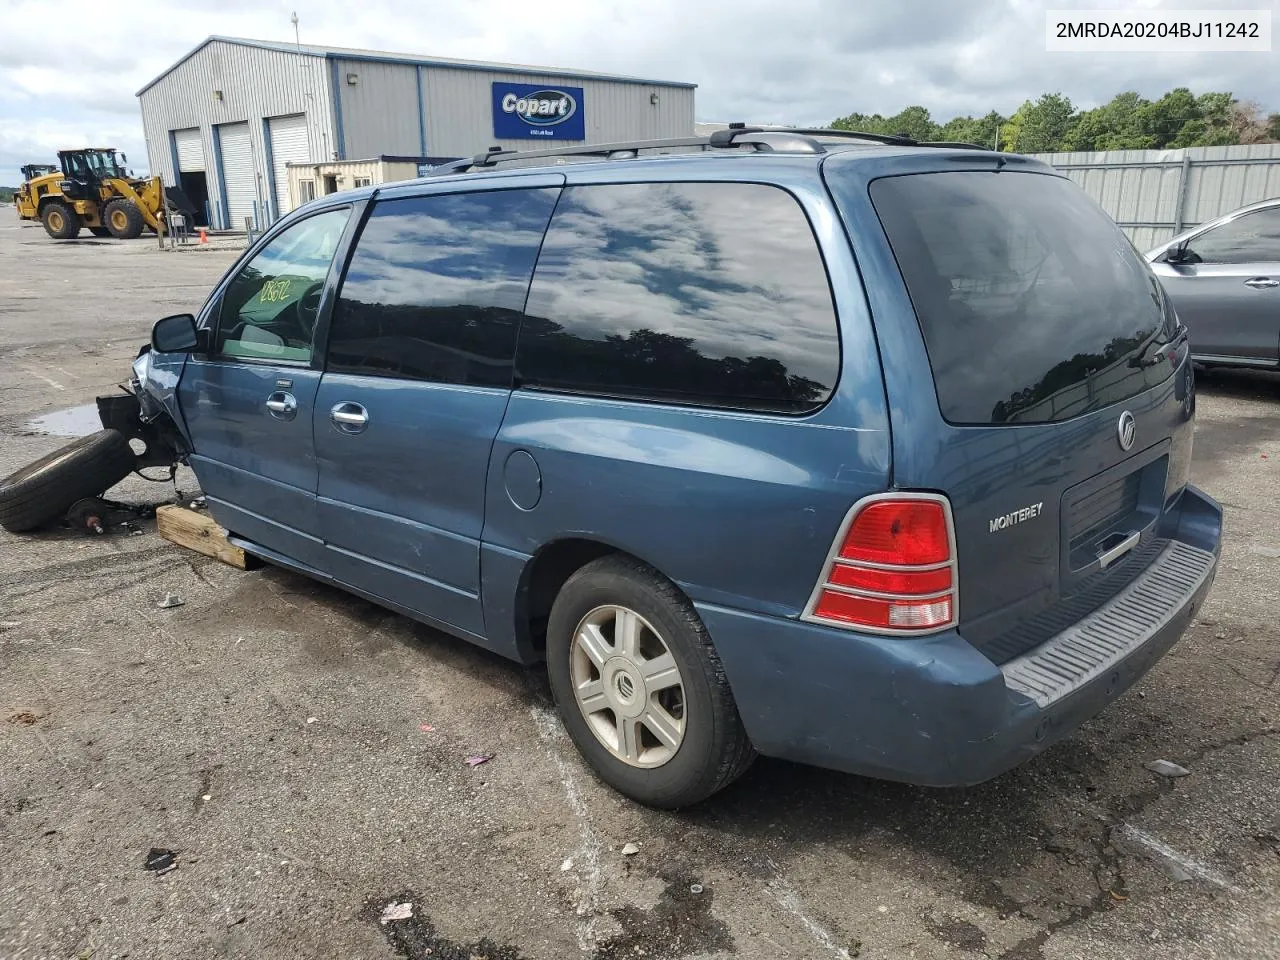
x: 1126, y: 430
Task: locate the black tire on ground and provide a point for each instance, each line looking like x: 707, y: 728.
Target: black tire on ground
x: 60, y: 220
x: 100, y: 231
x: 45, y: 490
x: 715, y: 750
x: 123, y: 218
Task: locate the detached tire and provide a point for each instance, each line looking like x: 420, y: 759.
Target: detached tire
x: 45, y: 490
x: 60, y: 220
x: 640, y: 687
x: 123, y: 219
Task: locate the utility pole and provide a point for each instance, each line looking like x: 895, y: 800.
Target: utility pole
x: 294, y: 20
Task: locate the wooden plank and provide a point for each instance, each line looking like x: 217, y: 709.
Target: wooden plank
x: 199, y: 532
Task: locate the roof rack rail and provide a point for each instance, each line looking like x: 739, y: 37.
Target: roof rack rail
x: 892, y: 139
x: 609, y: 151
x: 766, y: 139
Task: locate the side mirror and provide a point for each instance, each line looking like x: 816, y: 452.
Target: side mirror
x: 1180, y: 253
x: 176, y: 334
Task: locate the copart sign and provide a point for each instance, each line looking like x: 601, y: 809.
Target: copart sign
x: 527, y: 111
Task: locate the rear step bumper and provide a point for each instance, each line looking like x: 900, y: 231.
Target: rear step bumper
x: 1083, y: 653
x: 936, y: 712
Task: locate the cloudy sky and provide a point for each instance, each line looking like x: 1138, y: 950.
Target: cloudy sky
x: 785, y: 61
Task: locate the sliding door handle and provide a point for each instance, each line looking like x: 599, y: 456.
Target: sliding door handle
x: 349, y: 417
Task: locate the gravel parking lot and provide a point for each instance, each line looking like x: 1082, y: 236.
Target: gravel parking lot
x: 303, y: 750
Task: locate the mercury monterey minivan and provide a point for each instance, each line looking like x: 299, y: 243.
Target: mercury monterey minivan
x: 838, y: 448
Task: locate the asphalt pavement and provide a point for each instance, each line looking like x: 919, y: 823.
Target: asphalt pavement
x: 302, y: 752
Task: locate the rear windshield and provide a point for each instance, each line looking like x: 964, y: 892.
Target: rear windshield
x: 1034, y: 306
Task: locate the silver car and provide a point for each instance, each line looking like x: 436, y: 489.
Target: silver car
x: 1224, y: 279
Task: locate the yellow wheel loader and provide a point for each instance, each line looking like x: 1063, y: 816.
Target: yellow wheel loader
x: 92, y: 189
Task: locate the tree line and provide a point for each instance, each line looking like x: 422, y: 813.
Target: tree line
x: 1052, y: 123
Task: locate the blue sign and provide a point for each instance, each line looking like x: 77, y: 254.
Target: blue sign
x: 526, y: 111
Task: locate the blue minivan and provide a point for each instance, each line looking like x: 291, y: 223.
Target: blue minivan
x: 844, y: 449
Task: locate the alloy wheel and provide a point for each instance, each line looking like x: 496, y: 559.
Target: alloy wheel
x: 628, y: 686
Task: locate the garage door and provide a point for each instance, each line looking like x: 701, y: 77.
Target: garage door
x: 238, y: 181
x: 190, y: 147
x: 288, y: 145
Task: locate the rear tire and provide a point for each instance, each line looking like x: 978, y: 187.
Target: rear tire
x: 44, y: 490
x: 123, y: 218
x: 712, y: 747
x: 60, y: 220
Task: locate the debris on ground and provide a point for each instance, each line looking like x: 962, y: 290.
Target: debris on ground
x: 159, y: 860
x: 567, y: 865
x: 695, y: 888
x: 478, y: 758
x: 630, y: 850
x: 313, y: 719
x: 1167, y: 768
x: 170, y: 601
x: 95, y: 515
x: 396, y: 911
x: 24, y: 718
x: 426, y: 728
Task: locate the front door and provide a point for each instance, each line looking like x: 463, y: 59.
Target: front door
x: 248, y: 403
x: 1227, y: 289
x: 417, y: 380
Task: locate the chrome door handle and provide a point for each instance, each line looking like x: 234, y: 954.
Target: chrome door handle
x: 1259, y: 283
x: 283, y: 406
x: 349, y: 417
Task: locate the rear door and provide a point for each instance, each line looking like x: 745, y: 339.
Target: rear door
x: 248, y: 403
x: 418, y: 376
x: 1034, y: 373
x: 1228, y: 290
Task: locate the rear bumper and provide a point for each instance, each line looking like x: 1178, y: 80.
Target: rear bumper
x: 934, y: 711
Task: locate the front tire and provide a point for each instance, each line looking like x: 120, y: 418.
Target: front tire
x: 640, y: 687
x: 123, y: 218
x: 60, y: 220
x: 45, y: 490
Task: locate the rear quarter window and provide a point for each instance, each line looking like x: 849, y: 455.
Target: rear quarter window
x: 712, y: 294
x: 1033, y: 304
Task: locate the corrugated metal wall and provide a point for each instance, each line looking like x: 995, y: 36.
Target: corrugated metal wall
x: 255, y: 84
x: 459, y: 110
x: 1154, y: 194
x: 380, y: 111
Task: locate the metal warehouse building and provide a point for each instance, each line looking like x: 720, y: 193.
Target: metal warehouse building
x: 225, y: 121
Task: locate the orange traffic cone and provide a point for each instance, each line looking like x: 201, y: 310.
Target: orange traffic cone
x: 204, y: 237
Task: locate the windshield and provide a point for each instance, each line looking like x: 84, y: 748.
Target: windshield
x: 94, y: 163
x: 1034, y: 306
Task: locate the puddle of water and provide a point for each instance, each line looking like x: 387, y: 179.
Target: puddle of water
x: 72, y: 422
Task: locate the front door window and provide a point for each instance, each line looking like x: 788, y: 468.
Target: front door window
x: 269, y: 310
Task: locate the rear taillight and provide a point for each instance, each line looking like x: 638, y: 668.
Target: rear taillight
x: 892, y: 568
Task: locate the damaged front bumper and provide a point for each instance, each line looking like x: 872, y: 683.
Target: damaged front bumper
x: 146, y: 411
